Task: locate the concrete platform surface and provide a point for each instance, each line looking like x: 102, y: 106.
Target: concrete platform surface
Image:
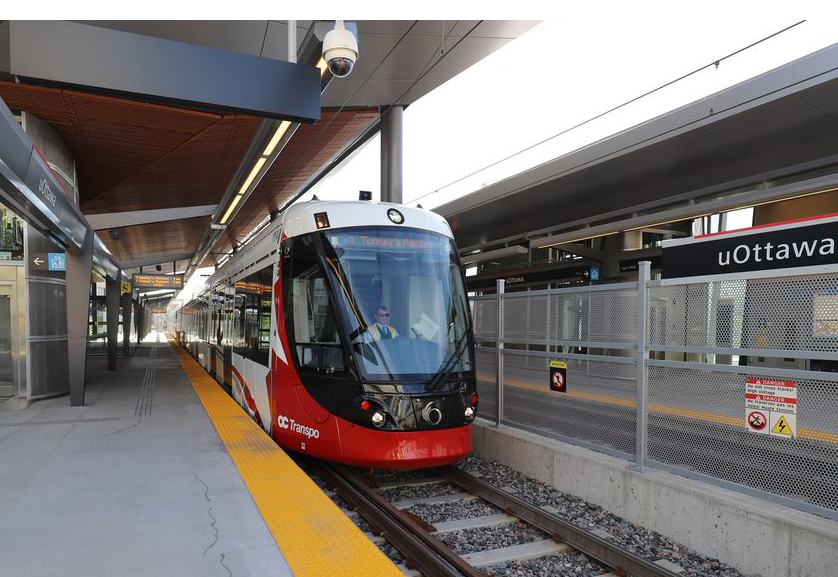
x: 135, y: 483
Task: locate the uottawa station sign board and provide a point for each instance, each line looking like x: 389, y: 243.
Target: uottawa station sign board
x: 157, y: 281
x: 786, y: 245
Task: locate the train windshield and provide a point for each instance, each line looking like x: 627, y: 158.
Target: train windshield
x: 401, y: 294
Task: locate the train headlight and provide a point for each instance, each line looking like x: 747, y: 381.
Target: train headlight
x: 395, y: 216
x: 469, y: 414
x: 378, y: 419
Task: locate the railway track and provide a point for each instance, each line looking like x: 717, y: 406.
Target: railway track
x: 425, y: 546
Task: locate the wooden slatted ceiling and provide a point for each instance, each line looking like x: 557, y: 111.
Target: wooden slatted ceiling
x: 309, y: 149
x: 169, y: 237
x: 139, y: 156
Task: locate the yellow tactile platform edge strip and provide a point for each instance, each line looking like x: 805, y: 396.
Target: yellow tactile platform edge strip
x: 313, y: 534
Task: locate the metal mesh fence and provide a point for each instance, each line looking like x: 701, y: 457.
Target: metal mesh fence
x: 597, y: 409
x: 608, y: 315
x: 782, y: 316
x: 697, y: 422
x: 700, y: 336
x: 484, y: 315
x: 487, y: 386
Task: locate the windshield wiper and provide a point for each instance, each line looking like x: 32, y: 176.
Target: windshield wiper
x: 450, y: 363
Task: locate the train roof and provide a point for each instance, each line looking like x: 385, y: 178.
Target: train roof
x: 300, y: 218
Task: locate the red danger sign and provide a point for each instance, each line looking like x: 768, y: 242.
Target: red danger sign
x: 757, y: 421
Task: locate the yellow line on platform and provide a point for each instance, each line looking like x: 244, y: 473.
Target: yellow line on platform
x: 313, y: 534
x: 802, y: 432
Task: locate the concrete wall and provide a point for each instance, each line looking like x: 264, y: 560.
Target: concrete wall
x: 754, y: 535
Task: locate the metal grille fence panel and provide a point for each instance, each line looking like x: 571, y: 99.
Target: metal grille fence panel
x: 487, y: 386
x: 700, y: 337
x: 697, y: 423
x: 597, y: 409
x: 484, y: 314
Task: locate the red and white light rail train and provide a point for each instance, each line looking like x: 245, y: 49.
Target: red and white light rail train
x: 345, y: 332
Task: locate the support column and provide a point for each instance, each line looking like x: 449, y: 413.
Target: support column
x: 138, y: 320
x: 126, y: 324
x: 79, y: 270
x: 112, y: 303
x: 391, y: 154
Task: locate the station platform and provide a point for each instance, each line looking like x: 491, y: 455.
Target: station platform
x: 143, y: 480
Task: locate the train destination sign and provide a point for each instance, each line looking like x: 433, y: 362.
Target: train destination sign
x: 803, y: 243
x: 157, y: 281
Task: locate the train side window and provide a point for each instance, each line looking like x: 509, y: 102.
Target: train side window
x: 318, y: 345
x: 252, y: 326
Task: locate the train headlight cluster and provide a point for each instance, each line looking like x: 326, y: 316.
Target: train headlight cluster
x: 469, y: 414
x: 395, y: 216
x: 378, y: 419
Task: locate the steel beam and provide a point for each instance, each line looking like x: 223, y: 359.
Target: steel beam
x: 134, y: 217
x: 157, y: 259
x: 146, y: 68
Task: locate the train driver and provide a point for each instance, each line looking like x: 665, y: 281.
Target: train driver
x: 381, y: 329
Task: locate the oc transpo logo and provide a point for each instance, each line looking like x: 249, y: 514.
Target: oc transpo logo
x: 288, y: 423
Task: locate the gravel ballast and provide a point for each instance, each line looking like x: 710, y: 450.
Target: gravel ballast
x: 451, y: 511
x: 649, y: 544
x: 487, y: 538
x: 397, y: 494
x: 561, y: 565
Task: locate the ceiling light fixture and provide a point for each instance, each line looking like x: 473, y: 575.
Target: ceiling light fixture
x: 280, y: 132
x: 236, y: 200
x: 256, y: 168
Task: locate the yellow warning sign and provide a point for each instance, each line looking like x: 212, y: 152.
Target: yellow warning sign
x: 782, y: 427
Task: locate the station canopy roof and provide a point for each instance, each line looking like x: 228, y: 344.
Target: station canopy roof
x: 134, y: 155
x: 753, y: 138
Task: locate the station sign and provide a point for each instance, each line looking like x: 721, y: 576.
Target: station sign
x: 771, y: 407
x: 567, y: 275
x: 633, y: 264
x: 158, y: 310
x: 157, y: 281
x: 558, y: 376
x: 795, y: 244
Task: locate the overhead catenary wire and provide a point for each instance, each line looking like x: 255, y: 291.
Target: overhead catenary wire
x: 714, y: 63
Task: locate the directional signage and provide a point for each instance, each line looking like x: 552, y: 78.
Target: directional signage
x: 125, y: 287
x: 50, y: 261
x: 552, y: 275
x: 57, y: 261
x: 157, y: 281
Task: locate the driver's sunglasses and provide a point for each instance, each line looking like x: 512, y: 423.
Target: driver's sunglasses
x: 382, y: 314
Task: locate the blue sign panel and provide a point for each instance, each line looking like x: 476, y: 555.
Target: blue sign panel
x: 594, y: 273
x: 57, y: 261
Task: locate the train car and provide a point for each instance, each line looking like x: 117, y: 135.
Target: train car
x: 345, y: 332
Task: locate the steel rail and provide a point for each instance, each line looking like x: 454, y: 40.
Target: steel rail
x: 622, y: 561
x: 429, y: 555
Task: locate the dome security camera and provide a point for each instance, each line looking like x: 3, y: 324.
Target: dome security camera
x: 340, y: 50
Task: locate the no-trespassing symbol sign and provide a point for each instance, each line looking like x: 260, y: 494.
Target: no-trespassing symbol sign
x: 771, y: 407
x: 558, y: 376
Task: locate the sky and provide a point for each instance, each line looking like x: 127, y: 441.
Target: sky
x: 566, y: 71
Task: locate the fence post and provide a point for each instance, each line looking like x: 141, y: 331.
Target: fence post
x: 641, y: 449
x: 499, y: 349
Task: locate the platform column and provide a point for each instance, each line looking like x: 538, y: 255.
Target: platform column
x: 644, y: 269
x: 112, y: 302
x: 391, y: 154
x: 126, y: 324
x: 79, y: 270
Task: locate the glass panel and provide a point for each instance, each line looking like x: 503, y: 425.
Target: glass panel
x: 6, y: 372
x: 402, y: 297
x: 253, y: 316
x: 315, y: 332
